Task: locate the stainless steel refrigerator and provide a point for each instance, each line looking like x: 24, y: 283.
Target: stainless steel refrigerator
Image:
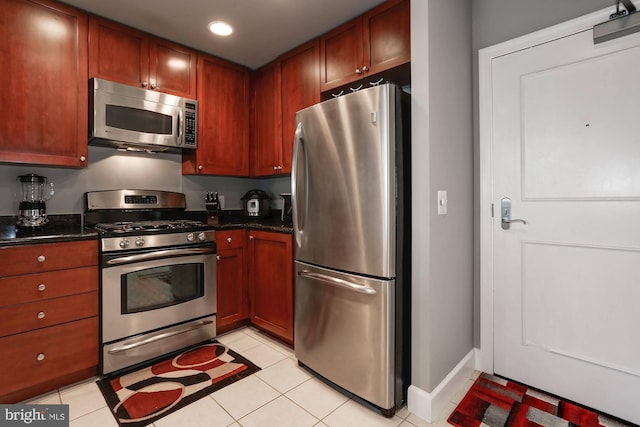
x: 351, y: 217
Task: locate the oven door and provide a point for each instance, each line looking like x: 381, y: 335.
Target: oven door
x: 146, y: 291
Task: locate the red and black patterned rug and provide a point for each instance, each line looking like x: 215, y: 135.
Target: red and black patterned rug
x: 143, y: 396
x: 492, y: 401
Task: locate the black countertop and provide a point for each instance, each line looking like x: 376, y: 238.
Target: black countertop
x: 236, y: 219
x: 63, y: 228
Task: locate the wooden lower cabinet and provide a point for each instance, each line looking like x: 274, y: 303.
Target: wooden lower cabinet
x: 231, y: 286
x: 48, y: 317
x: 270, y: 276
x: 45, y: 359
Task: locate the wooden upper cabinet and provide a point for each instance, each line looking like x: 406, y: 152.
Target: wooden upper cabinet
x: 43, y: 58
x: 342, y: 56
x: 279, y: 90
x: 266, y: 120
x: 300, y: 89
x: 172, y: 68
x: 387, y: 29
x: 126, y: 55
x: 223, y: 120
x: 374, y: 42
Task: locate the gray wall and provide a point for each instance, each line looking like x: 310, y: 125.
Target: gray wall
x: 442, y: 159
x: 496, y: 21
x: 110, y: 169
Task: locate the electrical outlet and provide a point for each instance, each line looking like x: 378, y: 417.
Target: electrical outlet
x: 442, y: 202
x: 221, y: 198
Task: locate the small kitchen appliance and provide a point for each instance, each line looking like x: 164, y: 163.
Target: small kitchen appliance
x: 158, y: 275
x: 286, y: 207
x: 256, y: 204
x: 137, y: 119
x: 34, y: 191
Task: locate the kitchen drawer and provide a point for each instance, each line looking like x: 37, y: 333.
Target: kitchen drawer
x: 229, y: 239
x: 33, y: 358
x: 42, y: 286
x: 40, y: 314
x: 15, y: 260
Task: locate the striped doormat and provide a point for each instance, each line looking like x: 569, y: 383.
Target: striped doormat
x: 492, y: 401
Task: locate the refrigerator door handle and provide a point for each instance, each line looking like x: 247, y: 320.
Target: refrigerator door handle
x: 297, y: 212
x: 338, y: 282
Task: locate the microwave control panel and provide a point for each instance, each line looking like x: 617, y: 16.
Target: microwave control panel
x: 191, y: 125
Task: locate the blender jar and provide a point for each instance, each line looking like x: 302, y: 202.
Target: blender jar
x: 34, y: 191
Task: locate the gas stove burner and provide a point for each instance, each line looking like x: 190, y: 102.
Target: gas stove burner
x: 130, y: 226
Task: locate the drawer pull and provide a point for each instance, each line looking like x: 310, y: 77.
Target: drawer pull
x: 40, y: 357
x: 41, y: 315
x: 41, y: 258
x: 41, y: 287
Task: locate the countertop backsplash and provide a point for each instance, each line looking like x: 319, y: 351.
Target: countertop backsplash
x: 111, y: 169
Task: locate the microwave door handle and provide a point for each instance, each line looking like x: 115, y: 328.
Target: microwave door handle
x: 180, y: 124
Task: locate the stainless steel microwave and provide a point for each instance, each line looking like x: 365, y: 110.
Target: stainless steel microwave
x: 138, y: 119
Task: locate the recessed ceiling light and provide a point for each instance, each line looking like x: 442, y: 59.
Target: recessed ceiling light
x: 220, y: 28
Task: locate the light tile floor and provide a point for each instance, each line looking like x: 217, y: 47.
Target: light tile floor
x: 280, y: 395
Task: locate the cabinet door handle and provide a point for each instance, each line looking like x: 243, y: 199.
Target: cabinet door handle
x: 83, y: 159
x: 153, y: 85
x: 145, y: 84
x: 41, y: 315
x: 41, y: 258
x: 42, y: 287
x: 250, y: 237
x: 200, y: 167
x: 40, y: 357
x: 229, y: 239
x: 358, y: 71
x: 365, y: 68
x: 218, y: 257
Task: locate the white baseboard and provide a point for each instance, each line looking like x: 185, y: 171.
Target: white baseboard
x: 429, y: 406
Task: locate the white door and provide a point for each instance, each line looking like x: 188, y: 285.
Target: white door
x: 566, y: 151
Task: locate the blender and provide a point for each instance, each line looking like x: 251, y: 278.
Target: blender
x: 34, y: 190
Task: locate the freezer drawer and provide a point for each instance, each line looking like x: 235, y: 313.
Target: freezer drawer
x: 345, y: 330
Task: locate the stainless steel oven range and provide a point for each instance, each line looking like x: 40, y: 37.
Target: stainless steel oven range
x: 158, y: 275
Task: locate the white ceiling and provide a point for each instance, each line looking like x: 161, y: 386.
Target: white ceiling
x: 263, y: 29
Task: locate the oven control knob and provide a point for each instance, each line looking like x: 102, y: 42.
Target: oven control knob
x: 124, y: 244
x: 139, y: 242
x: 190, y: 237
x: 202, y: 237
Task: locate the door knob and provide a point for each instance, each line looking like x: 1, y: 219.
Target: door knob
x: 505, y: 213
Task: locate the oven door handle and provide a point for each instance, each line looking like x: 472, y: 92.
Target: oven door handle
x: 159, y: 337
x: 163, y: 254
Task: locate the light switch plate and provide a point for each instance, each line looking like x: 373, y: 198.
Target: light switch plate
x: 442, y: 202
